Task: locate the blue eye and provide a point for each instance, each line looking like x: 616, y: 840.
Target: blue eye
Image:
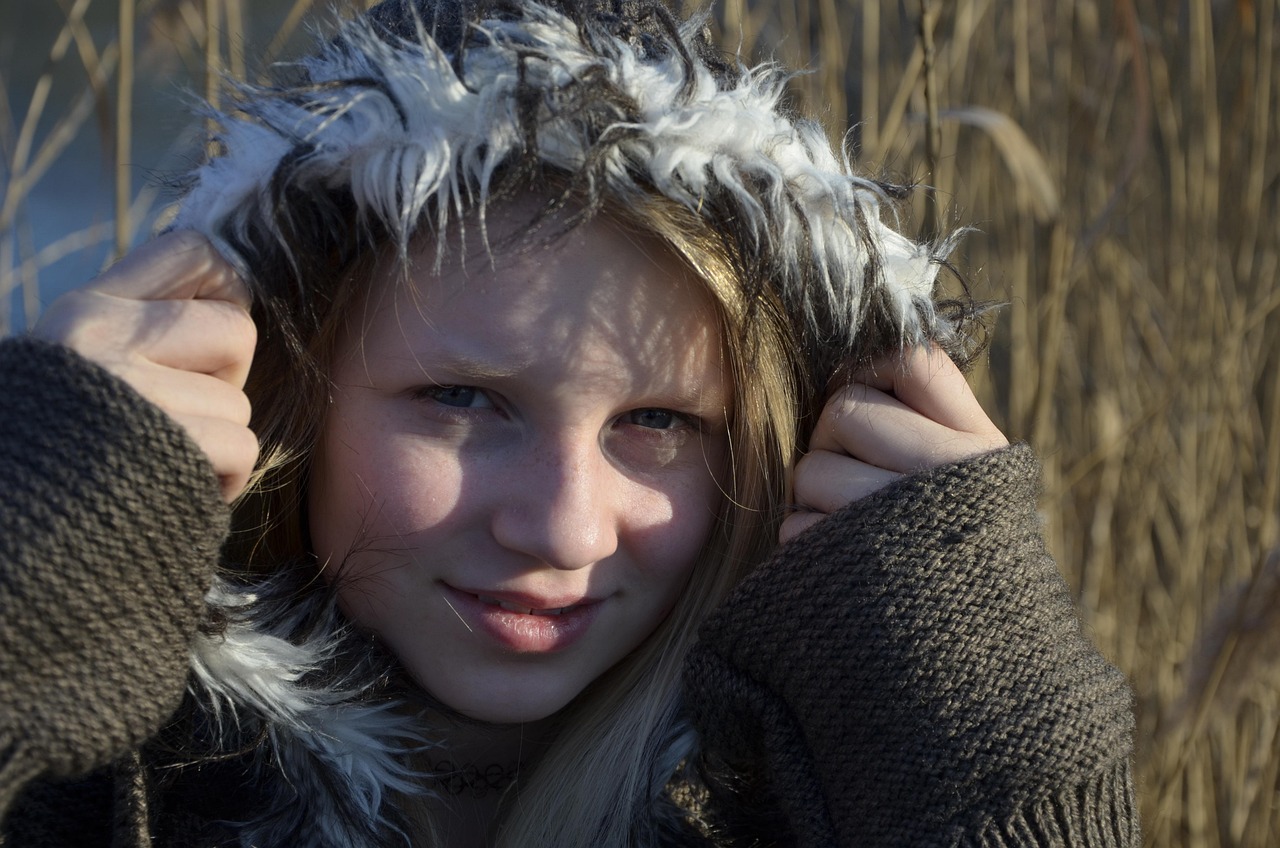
x: 655, y: 419
x: 463, y: 397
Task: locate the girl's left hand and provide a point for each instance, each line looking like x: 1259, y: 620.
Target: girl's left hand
x: 907, y: 414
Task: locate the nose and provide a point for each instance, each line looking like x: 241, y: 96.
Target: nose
x: 558, y: 507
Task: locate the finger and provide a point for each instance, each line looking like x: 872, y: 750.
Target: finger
x: 926, y: 380
x: 872, y: 425
x: 826, y: 481
x: 215, y: 416
x: 796, y: 523
x: 180, y: 265
x: 182, y: 394
x: 232, y: 450
x: 838, y: 416
x: 206, y: 337
x: 882, y: 431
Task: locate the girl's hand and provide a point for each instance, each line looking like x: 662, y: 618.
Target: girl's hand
x: 907, y: 414
x: 171, y: 319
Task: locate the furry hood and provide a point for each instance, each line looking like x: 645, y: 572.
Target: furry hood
x: 411, y: 118
x: 411, y: 113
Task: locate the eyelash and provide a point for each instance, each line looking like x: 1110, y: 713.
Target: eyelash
x: 437, y: 393
x: 678, y: 421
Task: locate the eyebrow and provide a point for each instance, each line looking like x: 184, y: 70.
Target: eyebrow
x: 470, y: 368
x: 463, y: 366
x: 692, y: 399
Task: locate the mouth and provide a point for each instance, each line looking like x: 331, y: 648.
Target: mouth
x: 523, y: 610
x: 521, y: 622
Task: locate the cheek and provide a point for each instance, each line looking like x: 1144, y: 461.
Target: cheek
x: 374, y: 506
x: 369, y: 492
x: 673, y: 527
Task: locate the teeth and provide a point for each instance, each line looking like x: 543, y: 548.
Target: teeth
x: 510, y: 607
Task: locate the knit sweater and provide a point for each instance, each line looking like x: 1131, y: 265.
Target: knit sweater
x: 908, y: 672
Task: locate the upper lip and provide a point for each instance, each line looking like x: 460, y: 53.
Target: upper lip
x: 526, y: 601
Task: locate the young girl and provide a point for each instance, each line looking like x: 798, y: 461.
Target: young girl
x: 500, y: 327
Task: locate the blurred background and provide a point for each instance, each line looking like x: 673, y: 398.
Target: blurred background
x: 1119, y: 163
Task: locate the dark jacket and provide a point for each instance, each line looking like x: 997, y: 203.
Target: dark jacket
x: 909, y: 672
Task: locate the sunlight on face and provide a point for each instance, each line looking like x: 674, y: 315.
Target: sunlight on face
x: 520, y: 464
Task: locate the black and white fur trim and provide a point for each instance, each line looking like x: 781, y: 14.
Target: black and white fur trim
x: 335, y: 746
x: 416, y: 131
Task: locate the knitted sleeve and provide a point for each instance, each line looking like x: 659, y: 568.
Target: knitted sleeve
x: 911, y: 672
x: 110, y: 523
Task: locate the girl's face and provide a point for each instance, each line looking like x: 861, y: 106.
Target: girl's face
x: 520, y: 465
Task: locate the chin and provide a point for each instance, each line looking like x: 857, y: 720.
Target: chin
x: 500, y: 705
x: 507, y: 713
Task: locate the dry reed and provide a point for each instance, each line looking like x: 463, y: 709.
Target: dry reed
x: 1121, y: 160
x: 124, y: 128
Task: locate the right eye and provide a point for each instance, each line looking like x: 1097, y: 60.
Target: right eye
x: 460, y: 397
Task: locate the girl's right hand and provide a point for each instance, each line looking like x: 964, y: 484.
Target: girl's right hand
x: 172, y: 320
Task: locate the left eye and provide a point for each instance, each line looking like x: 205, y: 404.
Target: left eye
x: 462, y: 397
x: 655, y: 419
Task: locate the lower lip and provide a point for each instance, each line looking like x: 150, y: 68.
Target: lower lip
x: 518, y: 632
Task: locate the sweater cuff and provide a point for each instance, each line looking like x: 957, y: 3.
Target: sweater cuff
x: 109, y: 535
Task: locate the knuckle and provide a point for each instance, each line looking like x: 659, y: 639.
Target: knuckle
x: 237, y: 336
x: 249, y: 331
x: 238, y: 462
x: 847, y: 411
x: 804, y: 464
x: 242, y: 329
x: 246, y: 448
x: 241, y: 410
x: 843, y: 399
x: 792, y: 525
x: 809, y: 481
x: 808, y: 468
x: 796, y: 523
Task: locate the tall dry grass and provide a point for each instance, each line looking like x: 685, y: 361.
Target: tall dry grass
x: 1121, y: 161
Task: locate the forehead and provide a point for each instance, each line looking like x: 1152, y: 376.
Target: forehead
x: 597, y: 298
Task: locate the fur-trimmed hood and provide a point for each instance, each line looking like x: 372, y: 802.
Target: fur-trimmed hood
x: 408, y: 121
x: 412, y: 112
